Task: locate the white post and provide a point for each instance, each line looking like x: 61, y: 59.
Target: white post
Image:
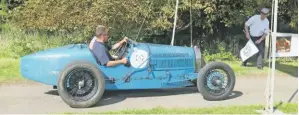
x: 270, y: 46
x: 191, y: 44
x: 174, y: 24
x: 273, y: 56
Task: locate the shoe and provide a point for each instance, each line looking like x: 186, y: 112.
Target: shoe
x: 260, y: 67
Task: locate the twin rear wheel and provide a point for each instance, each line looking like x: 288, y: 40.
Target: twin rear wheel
x: 216, y: 81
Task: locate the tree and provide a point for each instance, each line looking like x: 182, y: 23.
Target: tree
x: 212, y: 19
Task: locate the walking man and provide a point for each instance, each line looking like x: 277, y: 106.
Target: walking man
x: 258, y: 29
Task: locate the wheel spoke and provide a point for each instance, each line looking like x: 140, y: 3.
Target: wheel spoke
x: 74, y: 91
x: 84, y: 79
x: 216, y: 81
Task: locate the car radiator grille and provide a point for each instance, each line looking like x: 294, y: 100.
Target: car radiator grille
x: 172, y: 63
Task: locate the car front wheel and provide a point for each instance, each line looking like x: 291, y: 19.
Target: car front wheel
x: 81, y: 85
x: 216, y: 81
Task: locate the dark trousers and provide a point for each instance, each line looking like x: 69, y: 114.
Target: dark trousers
x: 259, y: 55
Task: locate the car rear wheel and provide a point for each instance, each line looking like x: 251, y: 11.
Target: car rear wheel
x: 216, y: 81
x: 81, y: 85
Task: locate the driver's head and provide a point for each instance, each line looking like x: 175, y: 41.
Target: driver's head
x: 102, y: 33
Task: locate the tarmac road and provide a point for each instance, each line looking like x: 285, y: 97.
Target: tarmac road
x: 31, y: 98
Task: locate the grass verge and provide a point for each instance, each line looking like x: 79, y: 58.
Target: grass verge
x: 289, y: 108
x: 283, y: 68
x: 9, y: 70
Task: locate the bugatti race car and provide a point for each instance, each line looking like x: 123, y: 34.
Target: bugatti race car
x: 81, y: 81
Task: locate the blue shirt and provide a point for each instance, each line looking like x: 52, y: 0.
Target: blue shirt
x: 101, y: 53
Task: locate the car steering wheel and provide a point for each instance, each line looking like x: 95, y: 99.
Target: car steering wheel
x: 120, y: 52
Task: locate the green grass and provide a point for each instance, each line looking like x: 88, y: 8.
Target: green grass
x: 283, y: 68
x: 216, y: 110
x: 290, y: 108
x: 9, y: 70
x: 290, y: 68
x: 15, y: 43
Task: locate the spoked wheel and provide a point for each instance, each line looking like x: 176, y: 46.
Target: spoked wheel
x: 216, y: 81
x: 81, y: 85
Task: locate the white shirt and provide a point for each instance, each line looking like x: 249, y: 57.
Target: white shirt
x: 257, y: 26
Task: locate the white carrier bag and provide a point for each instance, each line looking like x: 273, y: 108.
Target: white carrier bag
x: 249, y: 50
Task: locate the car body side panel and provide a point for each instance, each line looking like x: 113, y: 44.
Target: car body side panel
x: 164, y: 67
x: 45, y: 66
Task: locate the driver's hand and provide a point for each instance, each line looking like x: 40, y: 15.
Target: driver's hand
x: 124, y: 60
x: 125, y: 39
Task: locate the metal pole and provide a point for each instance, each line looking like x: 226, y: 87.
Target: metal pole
x: 191, y: 22
x: 175, y: 18
x: 273, y: 56
x: 268, y: 38
x: 267, y: 91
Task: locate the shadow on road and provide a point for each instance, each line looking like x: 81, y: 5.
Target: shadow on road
x: 52, y: 92
x: 288, y: 69
x: 105, y: 100
x: 112, y: 97
x: 235, y: 94
x: 154, y: 92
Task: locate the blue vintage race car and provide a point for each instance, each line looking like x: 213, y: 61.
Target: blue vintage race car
x: 81, y: 81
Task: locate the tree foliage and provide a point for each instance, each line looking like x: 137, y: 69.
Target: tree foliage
x: 211, y: 18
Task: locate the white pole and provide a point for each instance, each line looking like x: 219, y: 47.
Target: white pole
x: 267, y: 91
x: 174, y: 24
x: 191, y: 23
x: 273, y: 56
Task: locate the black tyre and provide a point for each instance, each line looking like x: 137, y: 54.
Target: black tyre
x: 81, y: 84
x: 216, y: 81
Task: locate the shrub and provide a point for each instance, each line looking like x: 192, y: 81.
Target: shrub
x: 221, y: 55
x: 16, y: 43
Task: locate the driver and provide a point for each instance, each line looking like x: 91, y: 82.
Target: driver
x: 101, y: 52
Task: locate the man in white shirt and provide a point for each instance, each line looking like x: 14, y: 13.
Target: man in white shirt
x: 258, y: 30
